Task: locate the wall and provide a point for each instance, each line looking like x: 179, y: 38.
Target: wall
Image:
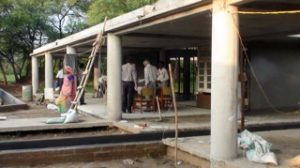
x: 277, y: 66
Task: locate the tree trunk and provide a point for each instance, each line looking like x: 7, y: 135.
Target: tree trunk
x: 15, y: 72
x: 3, y: 73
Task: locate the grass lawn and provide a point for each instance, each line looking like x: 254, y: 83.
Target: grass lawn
x: 10, y: 78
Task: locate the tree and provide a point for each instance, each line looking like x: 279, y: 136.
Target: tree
x: 27, y: 24
x: 99, y: 9
x: 67, y: 16
x: 21, y: 22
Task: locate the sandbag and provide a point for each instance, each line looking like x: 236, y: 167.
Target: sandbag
x: 52, y: 107
x: 257, y: 149
x: 71, y: 117
x: 57, y: 120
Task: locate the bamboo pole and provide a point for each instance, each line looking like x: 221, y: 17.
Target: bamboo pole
x: 175, y: 110
x: 158, y: 108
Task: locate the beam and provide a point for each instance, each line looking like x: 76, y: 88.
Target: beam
x: 163, y: 36
x: 240, y: 2
x: 133, y: 18
x: 182, y: 14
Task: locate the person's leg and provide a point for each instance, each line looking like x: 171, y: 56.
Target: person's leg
x: 124, y: 96
x: 130, y: 96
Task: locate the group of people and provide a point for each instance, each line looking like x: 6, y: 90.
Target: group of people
x: 153, y: 77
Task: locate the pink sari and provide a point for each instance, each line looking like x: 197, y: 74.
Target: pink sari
x: 68, y: 90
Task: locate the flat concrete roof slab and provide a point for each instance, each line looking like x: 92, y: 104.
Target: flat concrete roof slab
x: 39, y: 124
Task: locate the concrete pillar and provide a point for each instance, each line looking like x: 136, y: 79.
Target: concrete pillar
x: 96, y: 75
x: 48, y: 70
x: 70, y: 50
x: 186, y: 77
x: 48, y: 76
x: 34, y: 74
x: 224, y: 82
x: 114, y: 91
x: 71, y: 58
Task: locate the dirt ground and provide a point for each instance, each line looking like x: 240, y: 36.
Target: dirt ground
x: 14, y: 89
x: 145, y: 162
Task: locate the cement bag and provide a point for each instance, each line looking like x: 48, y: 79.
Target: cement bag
x: 71, y: 117
x: 52, y: 107
x: 57, y: 120
x: 257, y: 149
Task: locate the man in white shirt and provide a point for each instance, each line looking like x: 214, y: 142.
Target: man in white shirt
x: 163, y: 76
x: 60, y: 77
x: 150, y: 74
x: 129, y: 82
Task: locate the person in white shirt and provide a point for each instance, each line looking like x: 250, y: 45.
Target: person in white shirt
x: 60, y: 77
x: 150, y: 74
x: 129, y: 82
x: 163, y: 76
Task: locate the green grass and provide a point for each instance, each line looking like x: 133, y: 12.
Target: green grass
x: 10, y: 78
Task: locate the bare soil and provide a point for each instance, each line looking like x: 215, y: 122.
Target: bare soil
x: 145, y: 162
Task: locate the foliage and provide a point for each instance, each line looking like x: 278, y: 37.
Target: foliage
x: 111, y: 8
x: 27, y: 24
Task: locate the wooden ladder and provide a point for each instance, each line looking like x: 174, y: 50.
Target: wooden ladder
x: 97, y: 45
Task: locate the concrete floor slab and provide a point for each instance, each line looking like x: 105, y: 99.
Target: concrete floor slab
x: 97, y: 107
x: 285, y: 144
x: 39, y: 124
x: 34, y: 119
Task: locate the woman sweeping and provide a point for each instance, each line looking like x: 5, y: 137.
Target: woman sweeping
x: 68, y: 91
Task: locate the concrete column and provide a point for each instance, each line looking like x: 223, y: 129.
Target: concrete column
x: 34, y: 75
x: 186, y: 77
x: 48, y: 70
x: 48, y: 76
x: 114, y: 91
x: 96, y: 75
x: 71, y: 58
x: 224, y: 82
x: 70, y: 50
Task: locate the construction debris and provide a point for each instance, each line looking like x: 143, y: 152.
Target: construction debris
x: 295, y: 162
x: 257, y: 149
x: 128, y: 162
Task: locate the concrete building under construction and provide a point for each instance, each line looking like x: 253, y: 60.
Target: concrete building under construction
x: 232, y: 56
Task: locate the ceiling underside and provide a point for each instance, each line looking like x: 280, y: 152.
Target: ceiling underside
x: 195, y: 30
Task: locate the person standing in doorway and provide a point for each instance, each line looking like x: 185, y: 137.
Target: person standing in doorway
x: 163, y: 76
x: 150, y: 74
x: 60, y: 77
x: 129, y: 82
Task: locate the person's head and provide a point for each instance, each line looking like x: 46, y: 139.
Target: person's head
x: 161, y: 65
x: 68, y: 70
x: 146, y: 62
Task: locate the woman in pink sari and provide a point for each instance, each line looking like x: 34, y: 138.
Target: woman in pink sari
x: 68, y: 90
